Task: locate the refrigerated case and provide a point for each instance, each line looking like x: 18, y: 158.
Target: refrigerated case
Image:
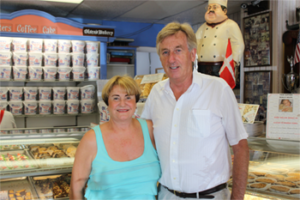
x: 272, y: 163
x: 38, y: 165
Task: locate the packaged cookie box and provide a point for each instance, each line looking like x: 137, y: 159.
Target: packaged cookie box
x: 146, y: 82
x: 16, y: 160
x: 17, y: 189
x: 49, y: 155
x: 52, y: 187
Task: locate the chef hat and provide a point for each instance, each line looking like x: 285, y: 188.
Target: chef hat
x: 221, y: 2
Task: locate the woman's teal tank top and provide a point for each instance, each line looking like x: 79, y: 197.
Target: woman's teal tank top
x: 135, y: 179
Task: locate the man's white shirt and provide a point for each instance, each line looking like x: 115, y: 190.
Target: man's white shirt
x: 192, y: 133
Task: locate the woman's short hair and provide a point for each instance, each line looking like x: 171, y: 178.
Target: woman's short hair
x: 174, y: 27
x: 125, y: 82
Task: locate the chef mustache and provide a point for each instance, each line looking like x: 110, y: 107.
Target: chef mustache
x: 211, y: 11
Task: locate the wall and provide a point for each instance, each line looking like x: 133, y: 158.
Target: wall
x: 144, y: 34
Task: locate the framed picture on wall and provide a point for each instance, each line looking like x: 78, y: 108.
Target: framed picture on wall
x: 257, y: 85
x: 258, y: 40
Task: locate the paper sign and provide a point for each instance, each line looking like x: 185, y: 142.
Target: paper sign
x: 152, y: 78
x: 248, y: 112
x: 283, y: 116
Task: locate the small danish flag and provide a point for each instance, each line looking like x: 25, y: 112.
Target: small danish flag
x: 227, y: 70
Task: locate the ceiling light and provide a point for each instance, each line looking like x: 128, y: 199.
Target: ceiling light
x: 65, y: 1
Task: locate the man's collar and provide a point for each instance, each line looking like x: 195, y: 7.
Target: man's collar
x: 215, y: 24
x: 197, y: 79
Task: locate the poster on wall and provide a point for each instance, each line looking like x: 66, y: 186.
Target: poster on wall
x: 283, y: 117
x: 258, y: 37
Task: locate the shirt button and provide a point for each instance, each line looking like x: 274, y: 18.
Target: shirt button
x: 175, y: 125
x: 173, y: 160
x: 174, y: 142
x: 215, y: 36
x: 204, y: 36
x: 206, y: 28
x: 201, y: 56
x: 214, y: 56
x: 177, y: 109
x: 217, y: 27
x: 214, y: 44
x: 174, y: 178
x: 203, y: 45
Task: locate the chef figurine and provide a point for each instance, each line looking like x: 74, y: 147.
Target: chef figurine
x: 212, y: 38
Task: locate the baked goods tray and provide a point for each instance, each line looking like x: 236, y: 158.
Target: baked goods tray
x: 11, y: 147
x: 18, y: 160
x: 52, y: 187
x: 49, y: 155
x: 17, y: 188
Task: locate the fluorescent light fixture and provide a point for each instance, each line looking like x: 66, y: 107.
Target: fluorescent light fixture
x: 65, y: 1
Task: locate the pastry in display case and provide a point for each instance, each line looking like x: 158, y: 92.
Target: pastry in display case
x: 274, y: 173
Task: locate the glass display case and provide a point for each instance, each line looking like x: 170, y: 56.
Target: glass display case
x: 274, y: 169
x: 34, y: 164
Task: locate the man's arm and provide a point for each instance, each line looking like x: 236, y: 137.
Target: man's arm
x: 240, y: 169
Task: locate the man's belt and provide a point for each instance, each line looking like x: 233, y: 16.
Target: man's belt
x: 201, y: 195
x: 210, y: 63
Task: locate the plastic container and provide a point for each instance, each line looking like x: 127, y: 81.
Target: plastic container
x: 72, y: 93
x: 46, y: 130
x: 5, y: 58
x: 3, y: 105
x: 45, y: 93
x: 92, y: 59
x: 59, y: 93
x: 59, y: 130
x: 78, y: 46
x: 45, y: 107
x: 30, y: 131
x: 35, y: 73
x: 73, y: 106
x: 78, y: 59
x: 30, y: 107
x: 59, y: 107
x: 50, y: 46
x: 16, y: 131
x: 3, y: 93
x: 30, y: 93
x: 85, y: 129
x: 87, y: 106
x: 15, y: 93
x: 20, y: 58
x: 50, y: 73
x: 50, y: 59
x: 64, y: 59
x: 64, y: 73
x: 93, y: 73
x: 78, y: 73
x: 64, y: 46
x: 87, y: 92
x: 35, y: 45
x: 5, y: 44
x: 16, y: 107
x: 19, y: 44
x: 5, y: 73
x: 70, y: 130
x: 92, y: 47
x: 20, y: 73
x: 35, y: 59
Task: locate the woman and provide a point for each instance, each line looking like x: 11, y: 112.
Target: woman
x: 285, y: 106
x: 118, y: 157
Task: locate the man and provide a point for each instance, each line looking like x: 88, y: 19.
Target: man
x: 194, y: 117
x: 212, y: 38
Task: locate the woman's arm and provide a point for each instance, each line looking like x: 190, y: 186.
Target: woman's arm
x: 85, y: 154
x: 150, y: 128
